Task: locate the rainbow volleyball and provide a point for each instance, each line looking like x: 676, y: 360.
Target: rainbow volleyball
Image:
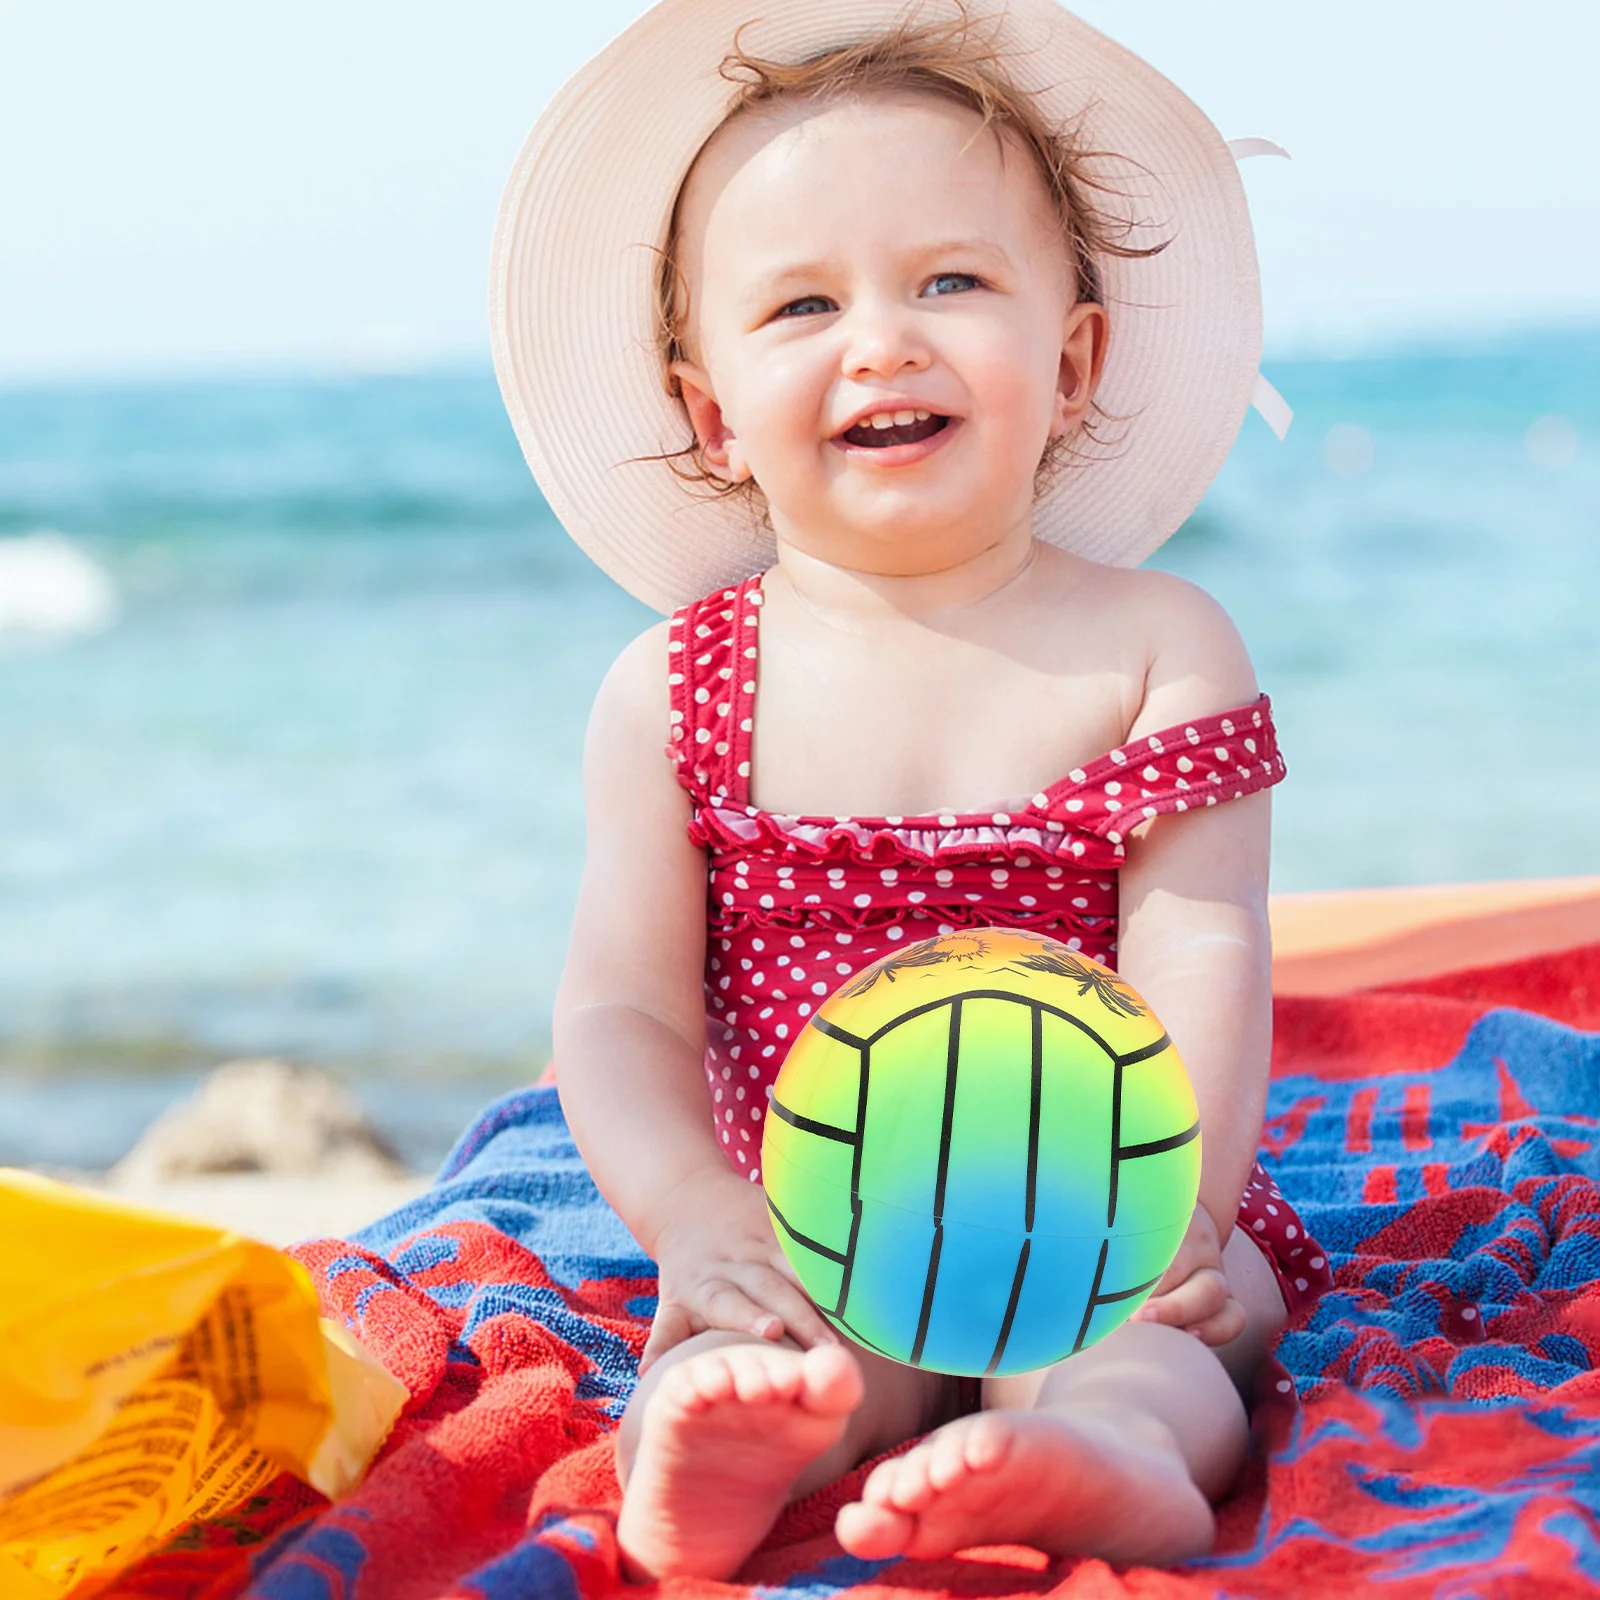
x: 982, y: 1153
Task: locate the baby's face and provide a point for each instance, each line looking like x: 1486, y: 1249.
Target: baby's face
x: 882, y: 327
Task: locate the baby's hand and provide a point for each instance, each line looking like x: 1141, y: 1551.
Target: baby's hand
x: 1194, y: 1294
x: 721, y: 1268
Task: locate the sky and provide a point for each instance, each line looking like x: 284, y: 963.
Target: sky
x: 204, y: 185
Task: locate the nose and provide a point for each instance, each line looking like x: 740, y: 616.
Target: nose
x: 882, y: 341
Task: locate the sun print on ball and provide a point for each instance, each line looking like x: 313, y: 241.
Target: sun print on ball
x: 981, y: 1153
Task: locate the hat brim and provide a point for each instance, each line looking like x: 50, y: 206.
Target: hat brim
x: 573, y: 274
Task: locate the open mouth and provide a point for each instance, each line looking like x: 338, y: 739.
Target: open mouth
x: 886, y: 428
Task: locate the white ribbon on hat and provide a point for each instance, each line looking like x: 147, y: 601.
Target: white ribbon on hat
x: 1243, y: 149
x: 1275, y: 411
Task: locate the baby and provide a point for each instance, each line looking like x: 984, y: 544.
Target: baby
x: 886, y: 310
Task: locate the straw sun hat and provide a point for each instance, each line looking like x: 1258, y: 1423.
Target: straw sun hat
x: 573, y: 304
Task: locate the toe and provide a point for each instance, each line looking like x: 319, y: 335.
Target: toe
x: 882, y: 1488
x: 911, y: 1488
x: 832, y: 1378
x: 986, y: 1443
x: 758, y: 1379
x: 695, y: 1384
x: 947, y: 1457
x: 873, y: 1532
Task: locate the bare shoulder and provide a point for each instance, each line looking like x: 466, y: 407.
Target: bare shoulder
x: 1196, y: 663
x: 633, y: 704
x: 628, y: 771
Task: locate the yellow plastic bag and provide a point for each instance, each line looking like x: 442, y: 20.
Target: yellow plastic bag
x: 154, y: 1371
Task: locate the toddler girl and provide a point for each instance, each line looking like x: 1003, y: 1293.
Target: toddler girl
x: 944, y: 355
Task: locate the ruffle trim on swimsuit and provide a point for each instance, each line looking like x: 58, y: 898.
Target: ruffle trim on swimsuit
x: 1069, y: 927
x: 890, y: 842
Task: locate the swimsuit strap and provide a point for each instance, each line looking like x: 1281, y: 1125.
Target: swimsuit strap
x: 711, y: 647
x: 1188, y: 766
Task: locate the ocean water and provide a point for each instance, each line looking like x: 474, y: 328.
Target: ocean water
x: 293, y: 679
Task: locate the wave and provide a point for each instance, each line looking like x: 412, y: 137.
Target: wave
x: 49, y: 586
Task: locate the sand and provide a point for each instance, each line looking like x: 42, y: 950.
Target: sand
x: 278, y: 1210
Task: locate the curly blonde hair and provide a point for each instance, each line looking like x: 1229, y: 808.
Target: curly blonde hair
x: 949, y: 60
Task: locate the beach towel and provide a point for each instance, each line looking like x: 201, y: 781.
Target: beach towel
x: 1431, y: 1427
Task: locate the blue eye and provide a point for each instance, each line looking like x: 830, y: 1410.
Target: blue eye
x: 810, y: 305
x: 951, y: 283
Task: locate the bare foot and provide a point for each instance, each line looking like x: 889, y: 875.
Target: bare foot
x: 1068, y: 1484
x: 721, y: 1442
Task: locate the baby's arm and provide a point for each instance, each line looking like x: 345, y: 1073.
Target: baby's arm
x: 629, y: 1032
x: 1194, y: 942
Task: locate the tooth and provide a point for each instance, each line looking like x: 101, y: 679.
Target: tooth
x: 904, y: 419
x: 881, y: 419
x: 924, y: 416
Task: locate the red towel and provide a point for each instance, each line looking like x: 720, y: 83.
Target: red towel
x: 1438, y: 1429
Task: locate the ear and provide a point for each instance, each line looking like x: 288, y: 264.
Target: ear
x: 1083, y: 355
x: 719, y: 449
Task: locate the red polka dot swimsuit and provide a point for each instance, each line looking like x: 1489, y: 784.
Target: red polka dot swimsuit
x: 798, y: 904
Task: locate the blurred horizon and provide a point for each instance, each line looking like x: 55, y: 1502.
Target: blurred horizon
x: 1532, y: 337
